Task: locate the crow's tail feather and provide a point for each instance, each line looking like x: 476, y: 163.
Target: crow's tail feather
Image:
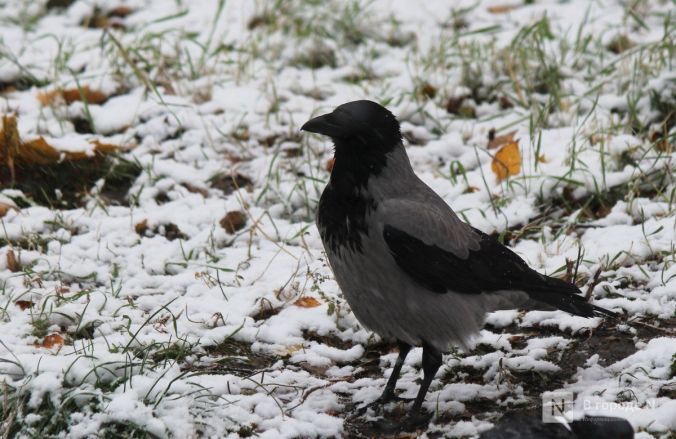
x: 566, y: 297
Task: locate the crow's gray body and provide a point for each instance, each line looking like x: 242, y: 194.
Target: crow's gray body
x: 387, y: 300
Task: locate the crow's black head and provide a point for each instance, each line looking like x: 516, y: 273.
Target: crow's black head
x: 358, y: 126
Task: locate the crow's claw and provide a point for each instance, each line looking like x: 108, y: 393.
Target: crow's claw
x: 410, y: 424
x: 381, y: 401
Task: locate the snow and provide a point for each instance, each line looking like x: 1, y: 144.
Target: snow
x: 202, y: 335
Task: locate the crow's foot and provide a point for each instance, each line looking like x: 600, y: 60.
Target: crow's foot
x: 412, y: 423
x: 381, y: 401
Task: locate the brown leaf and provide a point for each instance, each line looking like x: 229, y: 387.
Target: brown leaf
x: 38, y: 151
x: 229, y: 183
x: 662, y: 145
x: 501, y: 9
x: 620, y: 43
x: 233, y: 221
x: 454, y: 104
x: 4, y: 208
x: 141, y: 227
x: 24, y: 304
x: 10, y: 144
x: 507, y: 161
x: 196, y: 190
x: 71, y: 95
x: 120, y: 11
x: 428, y: 91
x: 307, y: 302
x: 50, y: 341
x: 12, y: 263
x: 104, y: 148
x: 500, y: 140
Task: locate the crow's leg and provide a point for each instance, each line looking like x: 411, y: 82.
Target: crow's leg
x: 388, y: 394
x: 431, y: 361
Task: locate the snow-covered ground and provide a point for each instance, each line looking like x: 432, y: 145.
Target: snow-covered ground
x: 184, y: 292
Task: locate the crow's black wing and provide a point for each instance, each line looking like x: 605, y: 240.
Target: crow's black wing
x: 488, y: 267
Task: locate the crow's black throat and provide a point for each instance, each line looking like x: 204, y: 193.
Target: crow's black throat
x: 345, y: 203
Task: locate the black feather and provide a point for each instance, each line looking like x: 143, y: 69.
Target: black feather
x: 492, y: 267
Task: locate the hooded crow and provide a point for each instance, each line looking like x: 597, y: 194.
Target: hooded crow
x: 410, y: 269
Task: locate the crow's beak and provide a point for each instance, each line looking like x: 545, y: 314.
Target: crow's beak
x: 327, y: 124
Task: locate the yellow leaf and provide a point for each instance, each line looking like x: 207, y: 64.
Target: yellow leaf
x: 507, y: 161
x: 307, y: 302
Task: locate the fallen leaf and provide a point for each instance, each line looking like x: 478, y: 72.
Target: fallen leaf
x: 619, y: 44
x: 12, y: 263
x: 307, y: 302
x: 120, y: 11
x: 662, y: 145
x: 4, y: 208
x: 233, y: 221
x: 428, y: 91
x: 38, y: 151
x: 507, y: 161
x: 229, y: 183
x: 505, y: 103
x: 71, y: 95
x: 454, y: 104
x: 196, y: 190
x: 287, y: 351
x: 24, y: 304
x: 141, y: 227
x: 50, y: 341
x: 542, y: 159
x: 171, y: 232
x: 497, y: 141
x: 501, y: 9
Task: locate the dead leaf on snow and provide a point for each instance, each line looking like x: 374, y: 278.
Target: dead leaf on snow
x: 24, y: 304
x: 38, y: 151
x: 4, y: 208
x: 141, y: 227
x: 70, y: 95
x: 233, y: 221
x: 287, y: 351
x: 497, y: 141
x: 507, y: 161
x: 501, y: 9
x: 51, y: 341
x: 307, y: 302
x: 12, y: 263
